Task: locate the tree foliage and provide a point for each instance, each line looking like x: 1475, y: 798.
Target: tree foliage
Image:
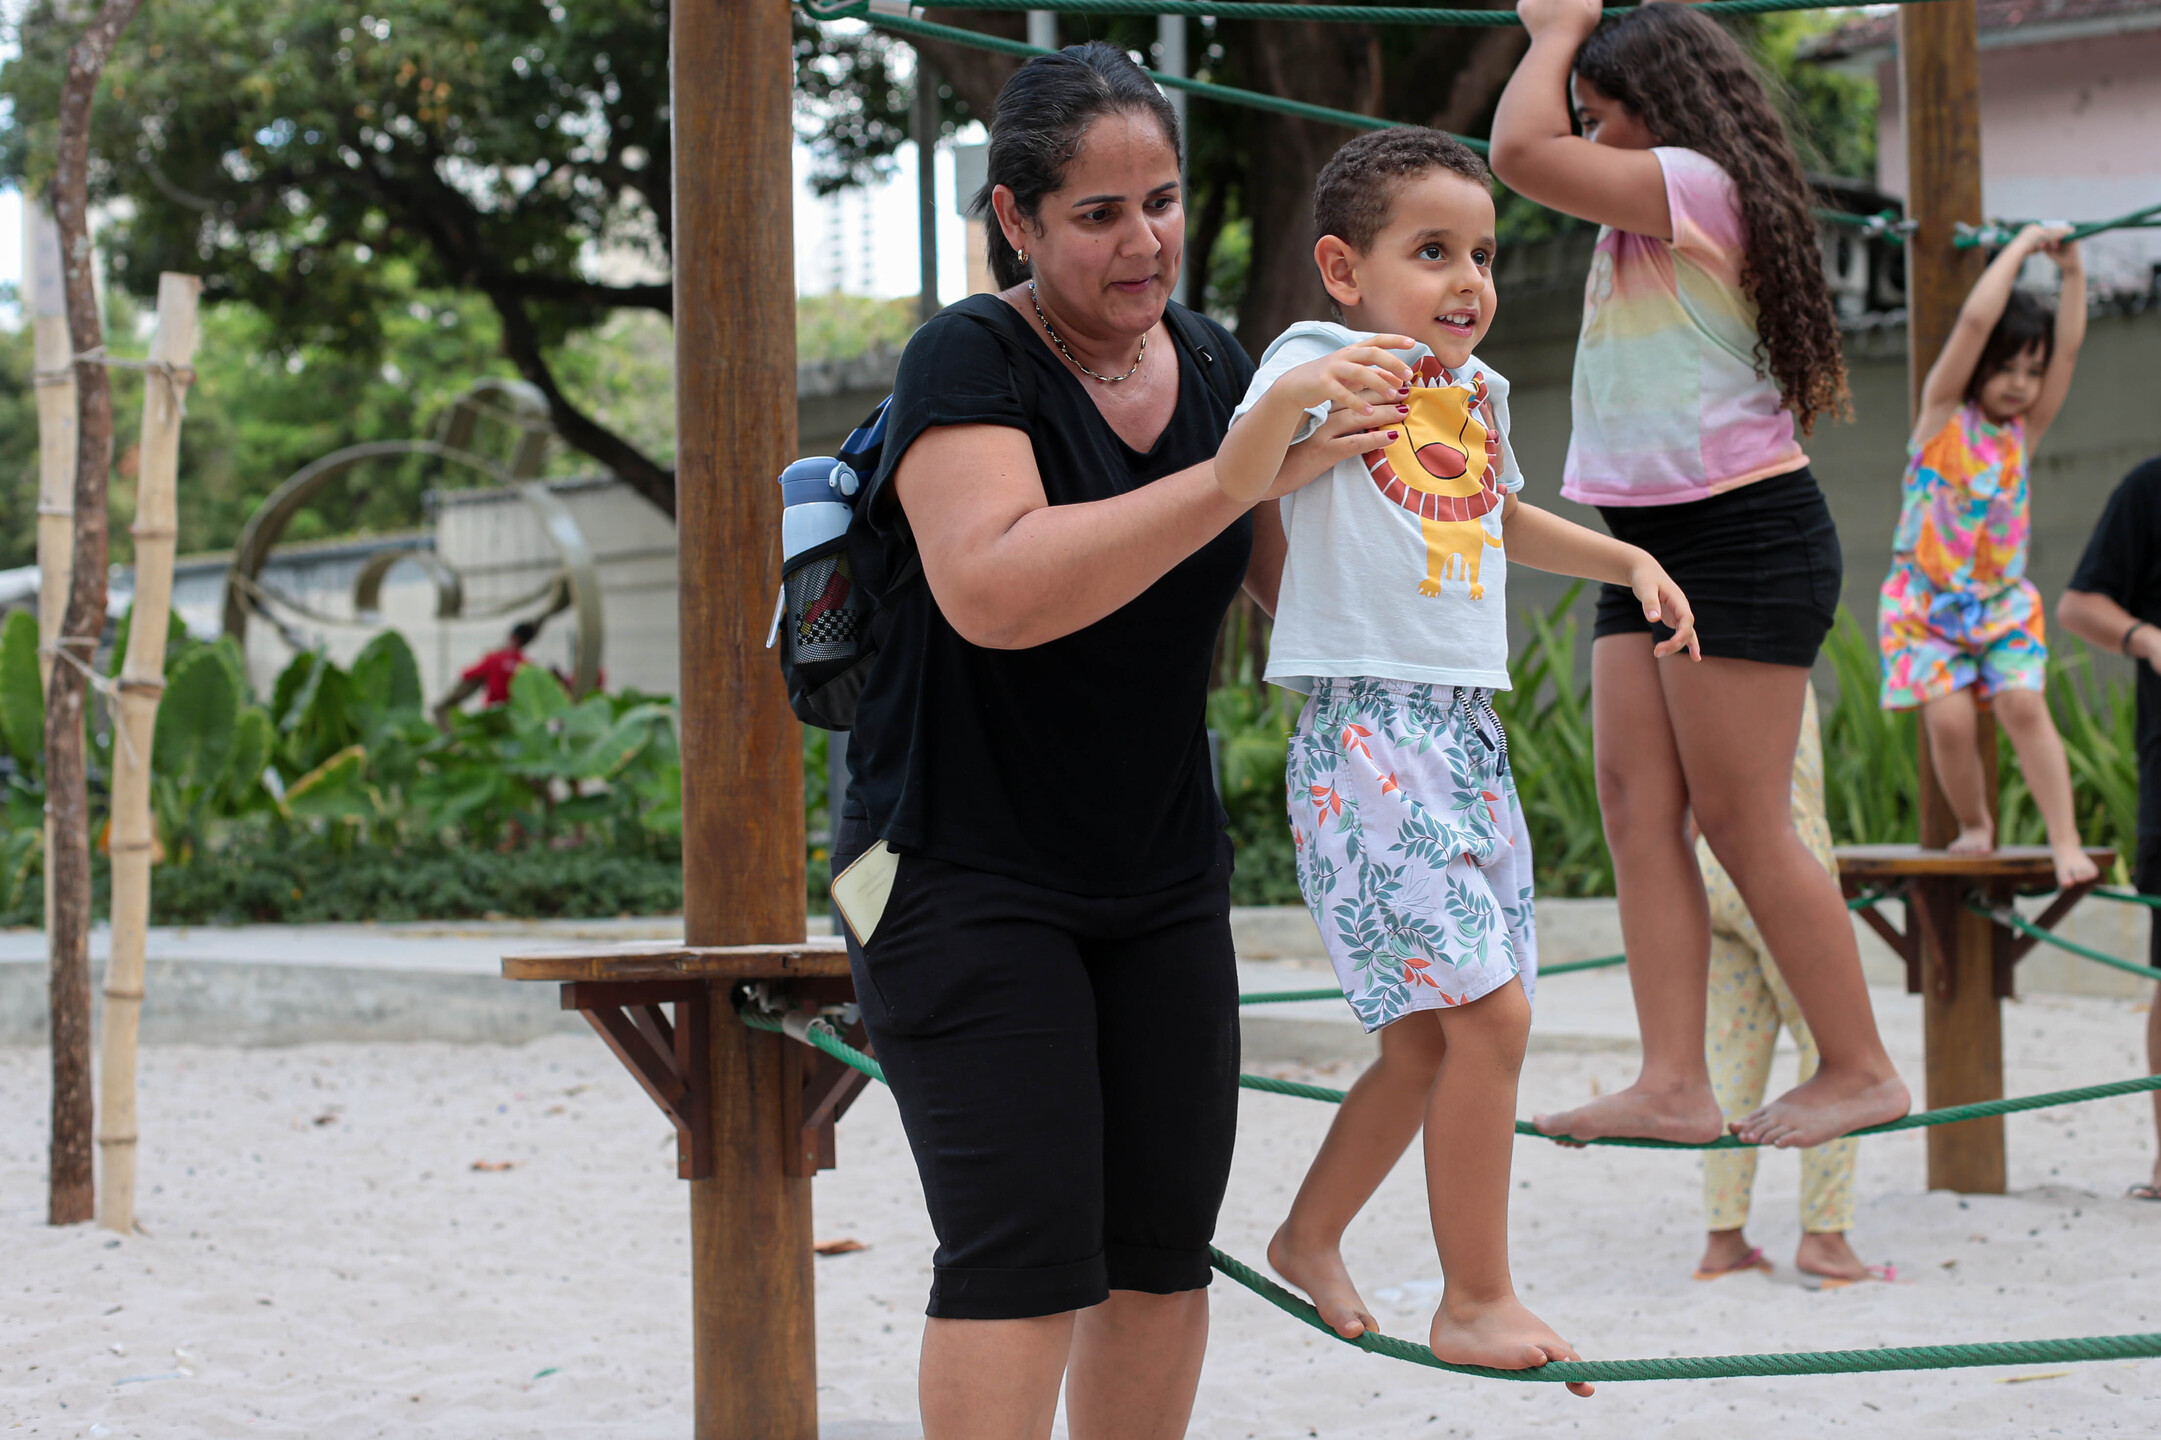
x: 287, y: 149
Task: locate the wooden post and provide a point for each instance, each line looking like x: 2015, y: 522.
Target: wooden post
x: 142, y: 681
x: 56, y: 447
x: 732, y: 95
x: 1940, y: 104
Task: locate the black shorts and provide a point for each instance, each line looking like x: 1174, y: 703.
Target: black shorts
x: 1760, y: 565
x: 1066, y: 1068
x: 2146, y: 876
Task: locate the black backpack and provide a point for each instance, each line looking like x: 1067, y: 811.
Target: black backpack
x: 835, y: 597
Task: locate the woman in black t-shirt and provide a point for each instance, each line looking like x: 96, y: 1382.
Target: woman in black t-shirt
x: 1031, y: 862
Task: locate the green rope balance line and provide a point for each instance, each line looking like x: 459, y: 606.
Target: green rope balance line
x: 1228, y: 94
x: 1566, y: 967
x: 1717, y: 1367
x: 821, y: 1036
x: 1697, y: 1367
x: 1999, y: 232
x: 2018, y: 922
x: 1336, y: 14
x: 2128, y: 897
x: 1926, y: 1119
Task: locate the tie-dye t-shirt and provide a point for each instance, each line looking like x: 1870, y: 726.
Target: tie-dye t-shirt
x: 1669, y: 405
x: 1963, y: 515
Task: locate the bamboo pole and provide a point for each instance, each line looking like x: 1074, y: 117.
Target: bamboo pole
x: 73, y: 1184
x: 142, y: 681
x: 56, y: 448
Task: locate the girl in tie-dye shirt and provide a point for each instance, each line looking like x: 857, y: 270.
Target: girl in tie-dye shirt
x: 1958, y: 619
x: 1708, y: 341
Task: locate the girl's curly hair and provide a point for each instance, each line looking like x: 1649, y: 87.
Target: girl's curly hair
x: 1693, y: 86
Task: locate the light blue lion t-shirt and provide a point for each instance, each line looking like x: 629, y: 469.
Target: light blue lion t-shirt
x: 1396, y: 568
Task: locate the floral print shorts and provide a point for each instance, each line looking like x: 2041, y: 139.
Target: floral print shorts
x: 1936, y: 642
x: 1412, y: 850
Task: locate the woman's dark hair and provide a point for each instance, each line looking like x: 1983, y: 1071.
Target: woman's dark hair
x: 1355, y: 192
x: 1043, y: 114
x: 2026, y: 324
x: 524, y: 632
x: 1692, y: 86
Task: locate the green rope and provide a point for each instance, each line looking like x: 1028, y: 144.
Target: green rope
x: 1227, y: 94
x: 2128, y: 897
x: 1999, y: 232
x: 1264, y: 10
x: 819, y: 1033
x: 1566, y: 967
x: 2018, y: 922
x: 1927, y: 1119
x: 1715, y: 1367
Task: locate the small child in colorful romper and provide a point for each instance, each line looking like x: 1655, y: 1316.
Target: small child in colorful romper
x: 1958, y: 619
x: 1411, y: 845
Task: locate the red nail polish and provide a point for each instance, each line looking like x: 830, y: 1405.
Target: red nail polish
x: 1391, y: 434
x: 1403, y: 409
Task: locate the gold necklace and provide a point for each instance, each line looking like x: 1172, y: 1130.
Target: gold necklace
x: 1052, y: 331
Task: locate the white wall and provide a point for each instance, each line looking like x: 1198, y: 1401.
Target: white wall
x: 2069, y: 131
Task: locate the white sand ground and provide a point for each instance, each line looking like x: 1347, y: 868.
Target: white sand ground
x: 323, y: 1260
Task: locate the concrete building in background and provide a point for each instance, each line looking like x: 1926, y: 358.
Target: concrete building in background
x: 2070, y: 118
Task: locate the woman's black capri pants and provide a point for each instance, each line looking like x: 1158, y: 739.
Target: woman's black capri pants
x: 1067, y: 1071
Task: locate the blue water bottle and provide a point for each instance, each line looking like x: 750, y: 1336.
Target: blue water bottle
x: 818, y: 493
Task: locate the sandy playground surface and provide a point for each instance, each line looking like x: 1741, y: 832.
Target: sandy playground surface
x: 335, y: 1251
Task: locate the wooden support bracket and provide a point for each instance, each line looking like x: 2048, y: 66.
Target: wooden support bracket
x: 2012, y: 947
x: 1906, y: 943
x: 670, y: 1057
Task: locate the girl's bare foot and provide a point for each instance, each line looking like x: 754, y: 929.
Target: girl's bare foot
x: 2073, y: 866
x: 1727, y: 1252
x: 1828, y: 1105
x: 1690, y: 1116
x: 1974, y: 840
x: 1501, y: 1334
x: 1319, y: 1272
x: 1826, y: 1253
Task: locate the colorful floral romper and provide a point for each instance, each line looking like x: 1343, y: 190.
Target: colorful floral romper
x: 1957, y: 608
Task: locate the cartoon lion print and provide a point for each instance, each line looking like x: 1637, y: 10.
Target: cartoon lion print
x: 1444, y: 467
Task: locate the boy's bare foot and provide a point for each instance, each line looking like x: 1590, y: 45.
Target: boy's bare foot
x: 1689, y: 1116
x: 1502, y: 1334
x: 1828, y: 1105
x: 1974, y: 840
x: 1826, y: 1253
x: 1320, y: 1273
x: 2073, y: 866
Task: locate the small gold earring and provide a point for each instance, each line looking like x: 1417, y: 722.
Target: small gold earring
x: 1021, y: 255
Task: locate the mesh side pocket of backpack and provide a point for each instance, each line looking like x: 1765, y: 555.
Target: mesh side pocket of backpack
x: 827, y: 617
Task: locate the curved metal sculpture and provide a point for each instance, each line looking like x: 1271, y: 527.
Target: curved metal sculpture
x: 575, y: 586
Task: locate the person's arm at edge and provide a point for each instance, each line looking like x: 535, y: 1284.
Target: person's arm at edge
x: 2101, y: 622
x: 2070, y: 335
x: 1535, y: 150
x: 1544, y: 541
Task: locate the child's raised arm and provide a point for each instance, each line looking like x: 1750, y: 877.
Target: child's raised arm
x: 1544, y: 541
x: 1364, y: 379
x: 2070, y: 334
x: 1945, y: 388
x: 1535, y: 150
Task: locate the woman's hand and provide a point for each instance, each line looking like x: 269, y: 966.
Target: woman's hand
x: 1560, y: 19
x: 1358, y: 376
x: 1664, y: 604
x: 1344, y: 435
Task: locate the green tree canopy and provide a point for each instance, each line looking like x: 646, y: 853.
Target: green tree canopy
x: 286, y: 149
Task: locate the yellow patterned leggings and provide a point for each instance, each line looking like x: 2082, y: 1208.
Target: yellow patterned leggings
x: 1748, y: 1002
